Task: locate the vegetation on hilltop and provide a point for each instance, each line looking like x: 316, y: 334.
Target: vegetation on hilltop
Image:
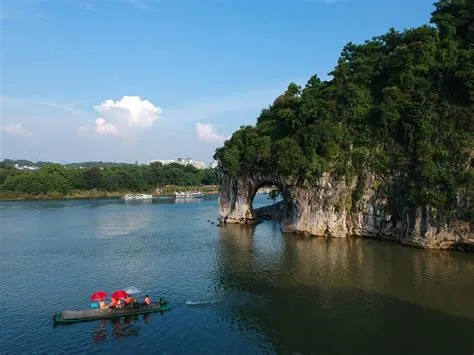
x: 58, y: 180
x: 398, y: 104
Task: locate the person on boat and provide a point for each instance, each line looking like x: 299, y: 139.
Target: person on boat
x: 115, y: 303
x: 103, y: 305
x: 128, y: 301
x: 147, y: 301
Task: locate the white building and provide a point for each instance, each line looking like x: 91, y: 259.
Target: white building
x: 26, y: 167
x: 182, y: 161
x: 213, y: 165
x: 198, y: 164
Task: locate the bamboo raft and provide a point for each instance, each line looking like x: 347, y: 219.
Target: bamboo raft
x: 94, y: 314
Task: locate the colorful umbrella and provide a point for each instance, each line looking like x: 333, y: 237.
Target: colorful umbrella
x: 99, y: 295
x: 119, y: 294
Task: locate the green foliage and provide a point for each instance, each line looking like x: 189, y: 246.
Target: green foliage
x: 401, y: 103
x: 288, y: 156
x: 59, y: 180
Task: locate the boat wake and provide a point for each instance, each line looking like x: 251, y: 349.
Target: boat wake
x: 202, y: 303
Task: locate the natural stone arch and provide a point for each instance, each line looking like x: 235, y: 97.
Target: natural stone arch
x: 333, y: 207
x: 237, y: 195
x: 271, y: 210
x: 264, y: 184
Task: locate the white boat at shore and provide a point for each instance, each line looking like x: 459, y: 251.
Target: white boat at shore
x: 179, y: 195
x: 134, y: 197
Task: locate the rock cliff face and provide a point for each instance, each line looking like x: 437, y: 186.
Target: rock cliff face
x: 336, y: 208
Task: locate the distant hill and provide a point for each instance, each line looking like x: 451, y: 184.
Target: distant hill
x: 22, y: 162
x: 87, y: 164
x: 91, y: 164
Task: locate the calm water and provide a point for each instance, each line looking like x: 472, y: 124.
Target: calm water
x: 249, y: 290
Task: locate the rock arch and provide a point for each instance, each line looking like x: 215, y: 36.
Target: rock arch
x: 238, y: 193
x: 333, y: 207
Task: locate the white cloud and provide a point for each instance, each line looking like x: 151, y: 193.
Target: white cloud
x: 100, y: 126
x: 16, y: 130
x: 130, y: 111
x: 208, y: 133
x: 104, y: 128
x: 123, y: 117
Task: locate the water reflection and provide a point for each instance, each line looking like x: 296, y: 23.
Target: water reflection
x: 120, y: 327
x: 188, y: 200
x: 139, y: 202
x: 113, y: 225
x: 311, y: 293
x: 100, y: 333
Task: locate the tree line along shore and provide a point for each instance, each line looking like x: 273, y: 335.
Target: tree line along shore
x: 51, y: 180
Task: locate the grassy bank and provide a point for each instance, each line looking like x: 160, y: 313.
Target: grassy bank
x: 167, y: 190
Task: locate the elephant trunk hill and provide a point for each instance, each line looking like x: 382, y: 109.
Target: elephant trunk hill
x: 385, y: 148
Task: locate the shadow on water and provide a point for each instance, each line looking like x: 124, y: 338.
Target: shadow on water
x: 119, y: 327
x: 115, y: 328
x: 329, y: 297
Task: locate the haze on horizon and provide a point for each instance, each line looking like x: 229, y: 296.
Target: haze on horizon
x: 136, y: 80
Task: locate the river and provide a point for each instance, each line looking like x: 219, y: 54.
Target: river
x: 235, y: 289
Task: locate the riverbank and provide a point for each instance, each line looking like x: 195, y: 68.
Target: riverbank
x: 167, y: 190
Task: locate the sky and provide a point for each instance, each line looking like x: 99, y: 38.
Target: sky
x: 136, y: 80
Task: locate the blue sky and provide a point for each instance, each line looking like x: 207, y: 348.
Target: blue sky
x: 126, y: 80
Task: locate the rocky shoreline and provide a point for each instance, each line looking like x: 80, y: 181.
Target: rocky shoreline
x: 339, y: 209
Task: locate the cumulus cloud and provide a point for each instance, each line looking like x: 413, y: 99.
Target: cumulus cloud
x: 208, y: 133
x: 100, y: 126
x: 16, y: 130
x: 123, y: 116
x: 103, y: 127
x: 131, y: 110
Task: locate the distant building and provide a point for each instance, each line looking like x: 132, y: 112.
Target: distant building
x: 213, y: 165
x: 182, y: 161
x: 198, y: 164
x: 26, y: 167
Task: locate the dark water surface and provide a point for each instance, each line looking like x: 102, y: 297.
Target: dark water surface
x: 250, y: 290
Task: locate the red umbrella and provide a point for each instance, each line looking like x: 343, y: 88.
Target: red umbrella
x: 119, y: 294
x: 99, y: 295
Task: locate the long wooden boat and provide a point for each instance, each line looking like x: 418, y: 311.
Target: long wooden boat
x: 94, y: 314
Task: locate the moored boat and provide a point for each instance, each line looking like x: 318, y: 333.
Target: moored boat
x: 94, y: 314
x: 132, y: 197
x: 188, y: 194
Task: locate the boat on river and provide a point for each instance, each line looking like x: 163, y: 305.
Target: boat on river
x: 94, y: 314
x: 178, y: 195
x: 133, y: 197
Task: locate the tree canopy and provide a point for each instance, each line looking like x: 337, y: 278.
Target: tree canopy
x: 400, y: 103
x: 60, y: 179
